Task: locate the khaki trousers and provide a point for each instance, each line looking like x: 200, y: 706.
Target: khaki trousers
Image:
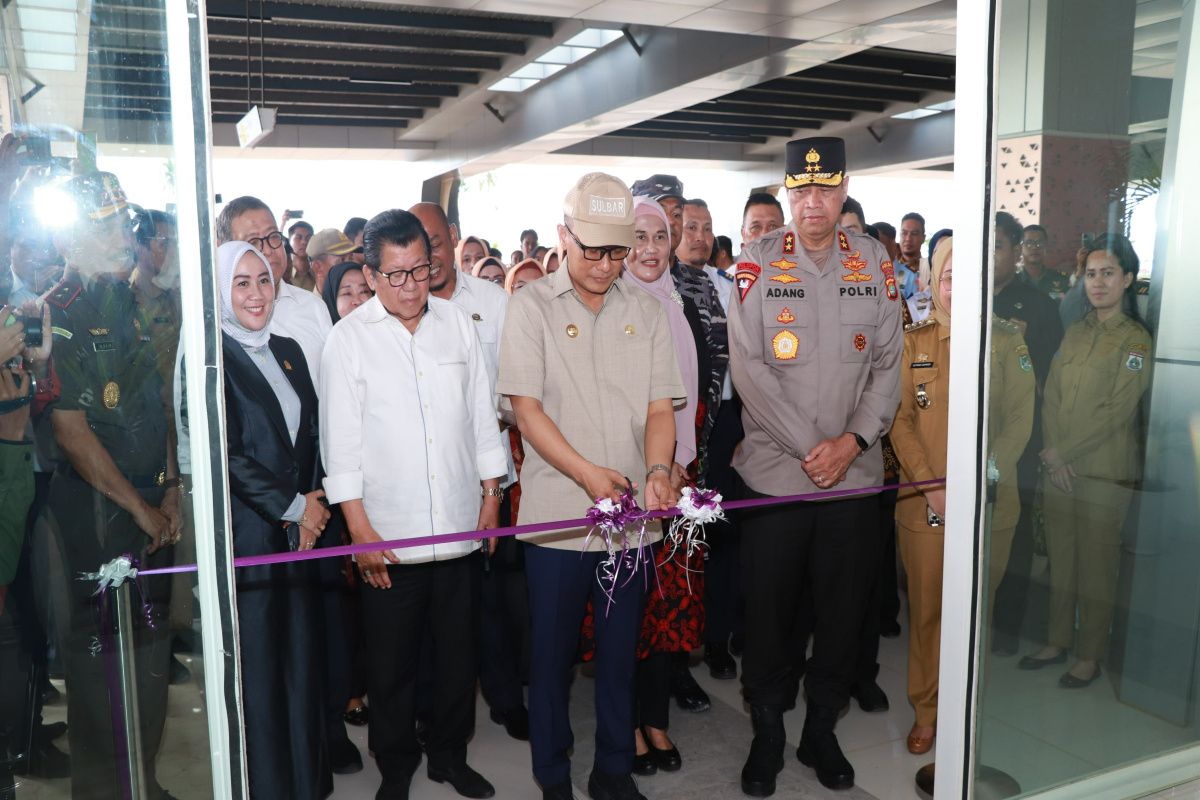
x: 922, y: 552
x: 1083, y: 542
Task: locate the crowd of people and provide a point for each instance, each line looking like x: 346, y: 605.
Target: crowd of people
x: 397, y: 378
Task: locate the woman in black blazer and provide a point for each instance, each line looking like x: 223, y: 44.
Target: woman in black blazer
x: 271, y: 426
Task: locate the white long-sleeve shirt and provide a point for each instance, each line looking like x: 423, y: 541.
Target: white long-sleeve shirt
x: 408, y: 424
x: 302, y: 316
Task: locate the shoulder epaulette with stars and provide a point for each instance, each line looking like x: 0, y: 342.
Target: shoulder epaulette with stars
x: 1004, y: 325
x: 62, y: 295
x: 916, y: 326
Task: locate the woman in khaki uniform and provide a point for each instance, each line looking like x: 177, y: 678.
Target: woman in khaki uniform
x: 919, y: 436
x: 1091, y: 459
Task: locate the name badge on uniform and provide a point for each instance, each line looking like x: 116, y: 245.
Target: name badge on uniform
x: 104, y: 347
x: 920, y: 364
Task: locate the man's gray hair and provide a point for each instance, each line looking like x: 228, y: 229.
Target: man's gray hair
x: 234, y: 209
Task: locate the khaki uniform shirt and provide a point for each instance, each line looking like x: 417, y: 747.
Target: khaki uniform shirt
x: 595, y: 375
x: 1096, y: 382
x: 920, y: 431
x: 814, y: 354
x: 162, y: 312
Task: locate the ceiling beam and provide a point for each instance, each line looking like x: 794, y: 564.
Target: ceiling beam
x: 353, y: 55
x: 363, y: 37
x: 661, y: 126
x: 797, y: 111
x: 770, y: 91
x: 347, y: 99
x: 799, y: 101
x: 345, y: 122
x: 901, y: 62
x: 634, y: 133
x: 699, y: 118
x: 238, y: 81
x: 862, y: 77
x: 320, y: 110
x: 382, y: 16
x: 237, y: 66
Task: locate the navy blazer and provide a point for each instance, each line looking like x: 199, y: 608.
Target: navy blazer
x: 266, y: 470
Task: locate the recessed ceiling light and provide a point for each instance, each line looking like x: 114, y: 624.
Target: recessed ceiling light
x: 575, y: 49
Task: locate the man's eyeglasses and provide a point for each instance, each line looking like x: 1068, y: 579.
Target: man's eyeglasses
x: 1033, y: 244
x: 614, y: 253
x: 271, y: 240
x: 398, y: 277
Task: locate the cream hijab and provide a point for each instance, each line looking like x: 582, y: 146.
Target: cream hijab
x: 941, y: 255
x: 228, y: 256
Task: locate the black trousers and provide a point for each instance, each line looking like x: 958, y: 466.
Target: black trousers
x: 93, y: 530
x: 654, y: 691
x: 882, y: 592
x: 438, y: 598
x: 504, y: 622
x: 339, y: 643
x: 560, y: 583
x: 828, y: 549
x: 723, y: 602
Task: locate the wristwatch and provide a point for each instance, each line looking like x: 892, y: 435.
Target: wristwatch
x: 658, y: 468
x: 862, y: 443
x: 486, y: 492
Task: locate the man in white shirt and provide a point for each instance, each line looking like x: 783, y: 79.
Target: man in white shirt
x: 504, y: 607
x: 410, y: 444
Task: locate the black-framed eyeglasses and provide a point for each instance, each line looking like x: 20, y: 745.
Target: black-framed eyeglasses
x: 614, y: 253
x: 272, y: 240
x: 398, y: 277
x: 1033, y: 244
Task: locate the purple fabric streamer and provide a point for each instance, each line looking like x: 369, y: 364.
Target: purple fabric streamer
x: 520, y: 530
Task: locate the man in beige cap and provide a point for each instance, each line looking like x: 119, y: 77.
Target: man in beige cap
x: 325, y: 250
x: 585, y: 361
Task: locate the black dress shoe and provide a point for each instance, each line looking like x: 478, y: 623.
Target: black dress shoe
x: 394, y: 790
x: 688, y: 694
x: 667, y: 760
x: 344, y: 758
x: 820, y: 750
x: 720, y: 663
x: 602, y: 786
x: 889, y: 629
x: 1069, y: 681
x: 1031, y: 663
x: 559, y: 791
x: 644, y: 764
x: 48, y: 733
x: 870, y: 697
x: 358, y: 717
x: 45, y: 761
x: 515, y: 722
x: 466, y: 781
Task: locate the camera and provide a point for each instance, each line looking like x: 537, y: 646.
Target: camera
x: 33, y: 331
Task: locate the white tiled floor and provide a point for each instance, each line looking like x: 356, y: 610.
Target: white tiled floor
x: 1038, y: 733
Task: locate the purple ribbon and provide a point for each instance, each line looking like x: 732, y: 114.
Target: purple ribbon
x: 520, y: 530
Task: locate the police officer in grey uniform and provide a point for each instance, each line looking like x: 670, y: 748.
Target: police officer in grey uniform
x: 116, y: 489
x: 815, y: 338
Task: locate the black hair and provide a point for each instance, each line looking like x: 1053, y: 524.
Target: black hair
x: 852, y: 206
x: 696, y: 203
x: 397, y: 227
x: 722, y: 244
x: 495, y: 252
x: 1037, y: 229
x: 885, y: 229
x: 1008, y: 227
x: 1121, y: 249
x: 353, y: 226
x: 300, y: 224
x: 145, y: 224
x: 913, y: 215
x: 527, y: 232
x: 761, y: 199
x: 234, y: 209
x: 937, y: 238
x: 872, y: 231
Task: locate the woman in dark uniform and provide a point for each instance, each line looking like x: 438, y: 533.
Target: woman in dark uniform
x: 271, y: 415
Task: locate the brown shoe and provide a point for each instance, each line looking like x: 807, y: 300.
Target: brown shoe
x: 919, y: 745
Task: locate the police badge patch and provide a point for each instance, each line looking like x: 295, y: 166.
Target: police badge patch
x: 785, y: 345
x: 1135, y: 361
x: 745, y: 274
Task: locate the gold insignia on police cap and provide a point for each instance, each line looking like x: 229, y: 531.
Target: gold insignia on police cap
x: 112, y: 395
x: 572, y: 330
x: 785, y: 345
x: 629, y: 330
x: 814, y: 160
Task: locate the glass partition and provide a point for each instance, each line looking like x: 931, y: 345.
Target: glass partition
x: 1089, y: 652
x: 103, y: 209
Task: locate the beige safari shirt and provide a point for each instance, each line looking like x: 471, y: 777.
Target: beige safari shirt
x: 1096, y: 381
x: 595, y: 375
x: 813, y: 355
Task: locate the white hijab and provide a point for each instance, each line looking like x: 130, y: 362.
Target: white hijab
x: 228, y: 256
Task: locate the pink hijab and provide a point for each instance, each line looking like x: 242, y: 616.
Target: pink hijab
x: 663, y: 290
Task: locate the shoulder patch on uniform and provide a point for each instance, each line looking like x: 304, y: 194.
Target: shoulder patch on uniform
x: 916, y: 326
x: 63, y: 332
x: 1004, y: 325
x: 745, y: 275
x: 1136, y: 359
x: 1023, y: 359
x: 64, y: 294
